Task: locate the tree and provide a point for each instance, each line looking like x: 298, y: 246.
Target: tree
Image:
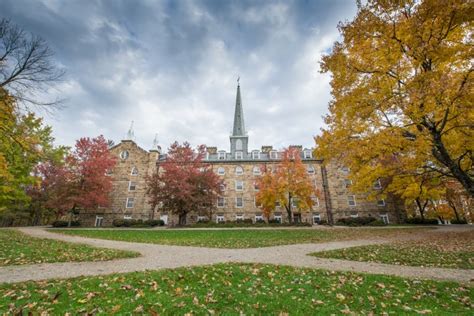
x: 288, y: 184
x: 183, y: 183
x: 402, y: 93
x: 26, y: 64
x: 24, y: 142
x: 89, y: 162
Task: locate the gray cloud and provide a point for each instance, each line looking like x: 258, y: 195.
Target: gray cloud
x: 171, y: 66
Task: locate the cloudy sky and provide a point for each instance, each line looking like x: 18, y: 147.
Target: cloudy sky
x: 171, y: 67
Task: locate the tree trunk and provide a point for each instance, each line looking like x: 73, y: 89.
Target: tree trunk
x: 288, y: 209
x: 421, y: 208
x: 441, y: 154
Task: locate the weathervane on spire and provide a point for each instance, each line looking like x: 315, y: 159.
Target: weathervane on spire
x: 155, y: 142
x: 130, y: 133
x: 238, y: 80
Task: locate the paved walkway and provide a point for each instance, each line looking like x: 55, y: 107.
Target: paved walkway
x: 162, y: 256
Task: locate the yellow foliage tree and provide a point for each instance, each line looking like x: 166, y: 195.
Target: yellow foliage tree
x: 402, y: 108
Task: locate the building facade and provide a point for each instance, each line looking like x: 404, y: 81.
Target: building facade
x: 240, y: 169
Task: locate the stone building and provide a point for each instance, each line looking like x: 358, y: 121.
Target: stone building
x: 239, y: 168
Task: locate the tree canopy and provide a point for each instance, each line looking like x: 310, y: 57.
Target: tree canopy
x: 402, y: 82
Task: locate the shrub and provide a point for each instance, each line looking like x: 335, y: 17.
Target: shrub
x: 274, y: 221
x: 154, y: 222
x: 65, y: 223
x: 419, y: 221
x: 355, y: 221
x: 461, y: 221
x: 377, y: 222
x: 322, y: 222
x: 118, y: 222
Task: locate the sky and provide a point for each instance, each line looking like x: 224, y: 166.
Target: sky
x: 172, y: 67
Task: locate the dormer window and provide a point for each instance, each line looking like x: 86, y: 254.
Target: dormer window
x: 377, y: 185
x: 207, y: 156
x: 345, y: 170
x: 221, y: 155
x: 134, y: 171
x: 255, y: 154
x: 239, y: 155
x: 311, y: 169
x: 239, y: 170
x: 308, y: 154
x: 273, y: 154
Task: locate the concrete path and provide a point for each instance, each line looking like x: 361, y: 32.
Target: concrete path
x: 161, y: 256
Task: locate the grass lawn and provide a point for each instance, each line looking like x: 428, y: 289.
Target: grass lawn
x: 236, y: 289
x: 17, y: 248
x: 238, y: 238
x: 448, y: 250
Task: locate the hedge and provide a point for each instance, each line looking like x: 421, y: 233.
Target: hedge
x: 65, y: 224
x: 419, y: 221
x: 137, y: 223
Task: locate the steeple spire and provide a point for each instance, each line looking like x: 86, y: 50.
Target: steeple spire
x: 239, y: 125
x: 130, y: 133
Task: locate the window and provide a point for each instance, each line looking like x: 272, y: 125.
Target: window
x: 221, y: 171
x: 256, y: 187
x: 277, y: 204
x: 258, y: 218
x: 132, y: 186
x: 221, y: 155
x: 201, y: 218
x: 315, y: 201
x: 384, y: 218
x: 381, y: 202
x: 239, y: 155
x: 239, y: 170
x: 347, y: 182
x: 257, y: 171
x: 124, y: 155
x: 220, y: 218
x: 220, y: 201
x: 239, y: 202
x: 130, y: 202
x: 239, y: 185
x: 277, y: 217
x: 255, y: 154
x: 207, y: 156
x: 316, y: 218
x: 377, y: 185
x: 238, y: 144
x: 308, y: 154
x: 239, y: 217
x: 345, y: 170
x: 273, y: 154
x: 223, y: 187
x: 351, y: 200
x: 294, y: 202
x: 127, y: 216
x: 354, y: 214
x: 311, y: 169
x: 134, y: 171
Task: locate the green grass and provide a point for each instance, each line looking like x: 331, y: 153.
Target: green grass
x: 447, y: 250
x: 17, y: 248
x: 235, y: 289
x: 238, y: 238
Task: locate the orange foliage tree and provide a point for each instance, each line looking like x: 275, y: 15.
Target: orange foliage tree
x: 287, y: 183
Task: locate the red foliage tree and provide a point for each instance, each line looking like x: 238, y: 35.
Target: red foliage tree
x: 89, y: 164
x: 183, y: 183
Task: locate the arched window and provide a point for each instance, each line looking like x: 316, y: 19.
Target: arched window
x: 238, y: 144
x: 124, y: 155
x: 257, y: 171
x: 134, y: 171
x: 220, y: 171
x: 239, y: 170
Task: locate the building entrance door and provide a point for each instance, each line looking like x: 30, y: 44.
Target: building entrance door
x: 98, y: 221
x: 164, y: 218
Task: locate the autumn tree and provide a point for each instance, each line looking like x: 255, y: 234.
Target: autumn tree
x: 288, y: 184
x: 24, y: 142
x: 402, y: 92
x: 183, y: 183
x: 89, y: 163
